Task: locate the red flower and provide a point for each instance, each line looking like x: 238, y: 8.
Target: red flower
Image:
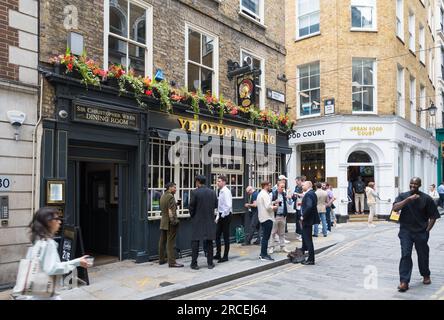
x: 70, y: 66
x: 148, y: 92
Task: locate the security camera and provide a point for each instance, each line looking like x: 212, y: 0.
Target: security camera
x: 63, y: 114
x: 16, y: 118
x: 248, y: 61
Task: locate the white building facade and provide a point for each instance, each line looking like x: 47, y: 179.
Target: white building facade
x: 388, y: 150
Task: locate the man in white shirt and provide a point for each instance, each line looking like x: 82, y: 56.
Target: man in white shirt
x: 266, y: 211
x: 224, y: 209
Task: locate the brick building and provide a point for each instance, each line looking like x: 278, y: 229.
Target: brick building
x: 360, y: 95
x: 18, y: 134
x: 114, y: 173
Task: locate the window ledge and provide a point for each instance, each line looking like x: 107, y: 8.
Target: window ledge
x: 246, y: 16
x: 364, y: 112
x: 363, y: 30
x: 309, y: 116
x: 400, y: 39
x: 311, y: 35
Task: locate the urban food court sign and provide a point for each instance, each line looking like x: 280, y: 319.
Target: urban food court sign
x: 224, y: 131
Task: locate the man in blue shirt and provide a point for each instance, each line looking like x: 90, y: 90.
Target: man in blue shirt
x: 441, y: 194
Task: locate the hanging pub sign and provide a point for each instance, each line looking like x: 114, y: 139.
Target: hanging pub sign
x: 246, y: 91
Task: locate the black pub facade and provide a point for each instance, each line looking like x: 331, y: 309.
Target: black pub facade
x: 105, y: 159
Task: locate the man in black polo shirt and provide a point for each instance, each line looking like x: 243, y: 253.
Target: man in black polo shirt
x: 417, y: 217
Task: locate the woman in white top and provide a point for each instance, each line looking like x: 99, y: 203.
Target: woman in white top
x: 45, y: 224
x: 433, y: 193
x: 371, y: 202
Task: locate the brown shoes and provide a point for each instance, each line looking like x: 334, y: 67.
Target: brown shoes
x: 161, y: 262
x: 176, y: 265
x: 426, y: 280
x: 403, y: 287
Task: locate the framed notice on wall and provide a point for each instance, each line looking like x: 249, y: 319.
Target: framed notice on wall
x: 55, y: 192
x: 329, y: 105
x: 332, y: 181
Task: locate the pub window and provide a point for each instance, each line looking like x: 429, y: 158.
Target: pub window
x: 127, y: 35
x: 161, y: 171
x: 253, y: 9
x: 233, y: 169
x: 259, y: 170
x: 258, y: 63
x: 363, y: 85
x: 309, y: 89
x: 313, y: 161
x: 201, y: 61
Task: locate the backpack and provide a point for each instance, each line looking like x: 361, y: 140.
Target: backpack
x: 359, y: 187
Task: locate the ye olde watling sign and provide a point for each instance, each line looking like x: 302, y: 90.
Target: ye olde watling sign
x: 102, y: 116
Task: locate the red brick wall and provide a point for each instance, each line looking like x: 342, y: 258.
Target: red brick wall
x: 8, y: 37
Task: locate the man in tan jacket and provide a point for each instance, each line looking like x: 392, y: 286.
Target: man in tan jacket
x: 322, y: 196
x: 168, y: 226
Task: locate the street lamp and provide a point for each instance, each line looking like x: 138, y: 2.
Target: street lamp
x: 432, y: 109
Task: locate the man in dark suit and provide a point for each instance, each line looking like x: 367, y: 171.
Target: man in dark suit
x: 203, y: 202
x: 309, y: 217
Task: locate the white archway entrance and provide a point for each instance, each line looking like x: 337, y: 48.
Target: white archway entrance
x: 360, y: 164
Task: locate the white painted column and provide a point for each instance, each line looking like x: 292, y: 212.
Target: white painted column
x: 427, y: 166
x: 418, y: 163
x: 332, y: 169
x: 406, y: 168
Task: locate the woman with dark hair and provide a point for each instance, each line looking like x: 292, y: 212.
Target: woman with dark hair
x: 44, y: 225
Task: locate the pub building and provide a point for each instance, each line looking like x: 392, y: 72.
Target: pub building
x: 113, y: 157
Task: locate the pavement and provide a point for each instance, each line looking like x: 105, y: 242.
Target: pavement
x: 363, y: 267
x: 127, y: 280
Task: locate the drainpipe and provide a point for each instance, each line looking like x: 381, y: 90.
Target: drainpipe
x: 34, y: 145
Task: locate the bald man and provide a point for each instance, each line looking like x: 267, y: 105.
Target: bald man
x: 309, y: 217
x: 417, y: 217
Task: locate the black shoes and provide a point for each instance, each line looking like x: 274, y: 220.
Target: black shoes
x: 266, y: 258
x: 162, y: 262
x: 211, y: 266
x: 217, y: 257
x: 224, y: 259
x: 308, y: 263
x: 176, y: 265
x: 194, y: 267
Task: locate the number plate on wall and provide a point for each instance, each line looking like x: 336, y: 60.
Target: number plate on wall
x: 5, y: 183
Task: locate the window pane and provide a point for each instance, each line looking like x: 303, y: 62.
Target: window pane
x: 304, y: 83
x: 193, y: 77
x: 303, y: 71
x: 137, y: 59
x: 137, y: 23
x: 252, y: 5
x: 367, y: 20
x: 314, y: 23
x: 304, y: 26
x: 194, y: 46
x: 315, y: 81
x: 116, y: 51
x: 357, y: 98
x: 314, y: 68
x: 207, y: 51
x: 368, y: 99
x: 118, y: 17
x: 357, y: 71
x: 207, y: 81
x: 304, y: 7
x: 368, y: 72
x: 356, y: 16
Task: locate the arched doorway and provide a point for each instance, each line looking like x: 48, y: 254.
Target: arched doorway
x: 360, y: 164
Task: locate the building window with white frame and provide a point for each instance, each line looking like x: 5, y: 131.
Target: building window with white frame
x: 422, y: 52
x: 308, y: 18
x: 400, y: 19
x: 441, y: 18
x: 412, y: 31
x: 309, y: 89
x: 422, y: 103
x: 431, y: 66
x: 363, y: 14
x: 400, y: 105
x: 128, y: 35
x: 258, y: 63
x: 363, y: 85
x: 442, y: 62
x: 412, y: 99
x: 201, y: 61
x: 253, y: 9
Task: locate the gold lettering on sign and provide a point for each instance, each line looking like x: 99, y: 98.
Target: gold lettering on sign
x: 224, y: 131
x: 366, y: 130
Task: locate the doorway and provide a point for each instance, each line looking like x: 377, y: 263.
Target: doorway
x: 360, y: 165
x: 99, y: 210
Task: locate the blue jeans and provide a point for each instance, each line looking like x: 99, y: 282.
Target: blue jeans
x: 328, y: 216
x: 323, y: 217
x: 267, y: 226
x: 409, y: 238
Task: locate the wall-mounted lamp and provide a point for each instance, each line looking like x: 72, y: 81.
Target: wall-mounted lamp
x: 432, y: 109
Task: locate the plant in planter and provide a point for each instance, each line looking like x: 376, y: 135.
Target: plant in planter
x: 115, y: 71
x: 134, y: 84
x: 65, y: 63
x: 162, y: 91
